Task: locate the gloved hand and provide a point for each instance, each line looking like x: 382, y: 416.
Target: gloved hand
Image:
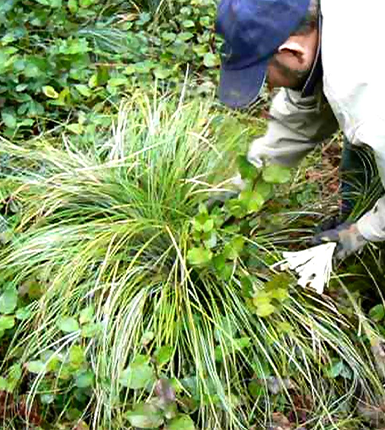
x: 349, y: 239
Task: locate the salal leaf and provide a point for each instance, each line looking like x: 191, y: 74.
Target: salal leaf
x: 145, y: 416
x: 276, y: 174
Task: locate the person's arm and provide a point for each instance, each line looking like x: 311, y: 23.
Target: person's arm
x: 295, y: 127
x: 372, y: 224
x: 352, y: 237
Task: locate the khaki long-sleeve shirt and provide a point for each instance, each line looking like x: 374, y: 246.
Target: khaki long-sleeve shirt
x: 351, y: 96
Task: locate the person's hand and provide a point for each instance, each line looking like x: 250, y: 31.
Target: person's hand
x: 349, y: 240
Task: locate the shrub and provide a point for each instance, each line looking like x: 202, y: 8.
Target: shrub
x: 68, y: 61
x: 123, y: 304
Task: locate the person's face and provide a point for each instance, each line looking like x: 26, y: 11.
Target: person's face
x: 293, y: 62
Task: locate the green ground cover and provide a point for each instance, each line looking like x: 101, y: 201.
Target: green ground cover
x: 124, y: 302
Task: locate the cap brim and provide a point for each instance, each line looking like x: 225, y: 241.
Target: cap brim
x: 241, y: 88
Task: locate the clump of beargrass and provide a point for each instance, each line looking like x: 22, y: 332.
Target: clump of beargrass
x: 102, y: 241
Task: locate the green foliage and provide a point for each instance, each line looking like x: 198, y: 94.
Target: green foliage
x: 68, y: 324
x: 145, y: 416
x: 138, y: 374
x: 115, y: 322
x: 377, y: 313
x: 218, y: 242
x: 8, y: 299
x: 64, y: 61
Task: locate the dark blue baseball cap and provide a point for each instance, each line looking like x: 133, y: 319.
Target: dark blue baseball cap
x: 253, y: 31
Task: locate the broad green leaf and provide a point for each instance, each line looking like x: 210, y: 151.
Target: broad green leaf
x: 247, y: 287
x: 87, y: 314
x: 255, y: 203
x: 335, y: 369
x: 264, y: 189
x: 75, y: 128
x: 284, y: 327
x: 129, y: 70
x: 233, y: 249
x: 76, y: 355
x: 23, y: 313
x: 53, y: 364
x: 346, y: 372
x: 9, y: 119
x: 86, y: 3
x: 212, y: 241
x: 280, y: 294
x: 81, y: 425
x: 145, y: 416
x: 185, y: 35
x: 252, y: 200
x: 163, y: 355
x: 85, y: 379
x: 377, y: 313
x: 8, y: 300
x: 242, y: 343
x: 199, y: 256
x: 68, y: 325
x: 93, y: 81
x: 6, y: 322
x: 256, y: 390
x: 188, y: 23
x: 265, y: 309
x: 15, y: 374
x: 219, y: 262
x: 31, y: 71
x: 147, y: 337
x: 261, y: 298
x: 170, y: 410
x: 161, y: 73
x: 117, y: 82
x: 138, y: 374
x: 91, y: 330
x: 47, y: 399
x: 219, y: 354
x: 50, y: 92
x: 181, y: 422
x: 83, y: 90
x: 210, y: 60
x: 36, y: 366
x: 73, y: 6
x: 169, y: 36
x: 208, y: 225
x: 21, y: 87
x: 3, y: 384
x: 51, y: 3
x: 276, y: 174
x: 246, y: 169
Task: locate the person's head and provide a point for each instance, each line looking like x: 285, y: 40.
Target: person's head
x: 293, y: 61
x: 273, y: 41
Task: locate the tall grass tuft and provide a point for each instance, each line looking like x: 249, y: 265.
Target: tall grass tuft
x: 109, y: 227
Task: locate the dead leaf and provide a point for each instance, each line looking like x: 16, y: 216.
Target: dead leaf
x: 165, y: 391
x: 374, y: 414
x: 279, y: 422
x: 81, y: 425
x: 30, y: 414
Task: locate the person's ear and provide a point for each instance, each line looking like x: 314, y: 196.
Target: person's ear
x: 294, y: 48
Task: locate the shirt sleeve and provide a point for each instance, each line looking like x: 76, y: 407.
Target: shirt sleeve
x: 372, y: 224
x: 296, y: 125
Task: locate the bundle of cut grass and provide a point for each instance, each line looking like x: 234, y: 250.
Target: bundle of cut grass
x: 116, y: 329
